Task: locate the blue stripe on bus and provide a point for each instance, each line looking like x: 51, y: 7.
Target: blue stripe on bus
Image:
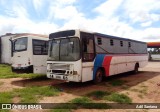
x: 98, y: 63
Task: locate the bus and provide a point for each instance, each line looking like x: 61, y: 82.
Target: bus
x: 80, y: 56
x: 29, y: 53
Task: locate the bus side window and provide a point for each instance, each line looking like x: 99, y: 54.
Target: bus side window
x: 129, y: 44
x: 85, y: 45
x: 111, y: 42
x: 99, y: 41
x: 40, y: 47
x: 88, y: 49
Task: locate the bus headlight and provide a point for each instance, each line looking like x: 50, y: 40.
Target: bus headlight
x: 67, y: 72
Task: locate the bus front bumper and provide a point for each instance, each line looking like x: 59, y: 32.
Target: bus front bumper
x: 28, y: 69
x: 74, y: 78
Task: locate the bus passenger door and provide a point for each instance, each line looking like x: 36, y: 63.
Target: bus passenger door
x: 88, y: 55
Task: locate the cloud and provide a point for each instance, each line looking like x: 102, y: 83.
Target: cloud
x: 109, y: 7
x: 62, y: 9
x: 132, y: 19
x: 104, y: 22
x: 65, y: 2
x: 21, y: 24
x: 38, y: 4
x: 17, y: 20
x: 108, y: 22
x: 146, y: 24
x: 20, y: 12
x: 151, y: 34
x: 141, y: 11
x: 66, y: 13
x: 43, y: 28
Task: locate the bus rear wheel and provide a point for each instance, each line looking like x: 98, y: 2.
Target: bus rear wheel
x: 136, y: 68
x: 98, y: 77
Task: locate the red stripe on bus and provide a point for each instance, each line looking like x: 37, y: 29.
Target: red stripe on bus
x: 106, y: 64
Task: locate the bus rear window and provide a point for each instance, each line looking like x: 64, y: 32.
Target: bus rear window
x: 20, y: 44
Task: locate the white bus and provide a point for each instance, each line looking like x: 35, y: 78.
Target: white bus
x: 80, y: 56
x: 29, y: 53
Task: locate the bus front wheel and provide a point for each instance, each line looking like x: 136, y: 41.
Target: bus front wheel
x: 98, y: 77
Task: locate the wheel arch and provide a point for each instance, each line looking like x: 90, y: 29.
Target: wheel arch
x: 103, y: 70
x: 99, y: 75
x: 137, y: 64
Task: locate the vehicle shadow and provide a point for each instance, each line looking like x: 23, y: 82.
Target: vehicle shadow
x: 37, y: 81
x: 127, y: 80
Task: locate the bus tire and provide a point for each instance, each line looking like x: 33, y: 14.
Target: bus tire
x: 136, y: 68
x: 98, y: 77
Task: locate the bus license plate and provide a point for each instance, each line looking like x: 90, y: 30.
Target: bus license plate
x: 19, y: 65
x: 58, y: 77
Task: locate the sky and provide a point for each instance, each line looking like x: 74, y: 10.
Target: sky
x: 134, y: 19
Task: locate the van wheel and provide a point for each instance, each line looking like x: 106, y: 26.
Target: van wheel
x: 99, y: 75
x: 136, y: 68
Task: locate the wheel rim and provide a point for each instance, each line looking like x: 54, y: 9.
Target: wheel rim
x: 99, y: 76
x: 136, y: 69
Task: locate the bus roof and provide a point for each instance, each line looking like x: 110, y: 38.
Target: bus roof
x: 72, y: 33
x: 115, y: 37
x: 23, y: 34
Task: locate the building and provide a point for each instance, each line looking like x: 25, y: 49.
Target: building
x: 154, y: 50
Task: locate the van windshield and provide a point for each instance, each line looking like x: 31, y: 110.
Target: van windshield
x: 20, y: 44
x: 64, y: 49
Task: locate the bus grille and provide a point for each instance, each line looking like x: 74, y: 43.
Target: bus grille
x: 59, y: 71
x: 60, y: 66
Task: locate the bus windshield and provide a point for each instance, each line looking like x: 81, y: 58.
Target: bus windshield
x: 20, y: 44
x: 64, y: 49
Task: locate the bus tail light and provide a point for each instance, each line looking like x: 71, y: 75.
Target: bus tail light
x: 29, y: 61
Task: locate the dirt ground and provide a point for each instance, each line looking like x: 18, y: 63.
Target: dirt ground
x: 143, y: 87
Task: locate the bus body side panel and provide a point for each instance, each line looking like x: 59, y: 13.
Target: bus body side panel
x: 118, y: 55
x: 126, y: 63
x: 40, y: 64
x: 116, y: 64
x: 87, y: 71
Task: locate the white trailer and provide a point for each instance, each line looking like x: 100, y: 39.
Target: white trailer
x: 5, y: 48
x: 30, y: 53
x: 81, y: 56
